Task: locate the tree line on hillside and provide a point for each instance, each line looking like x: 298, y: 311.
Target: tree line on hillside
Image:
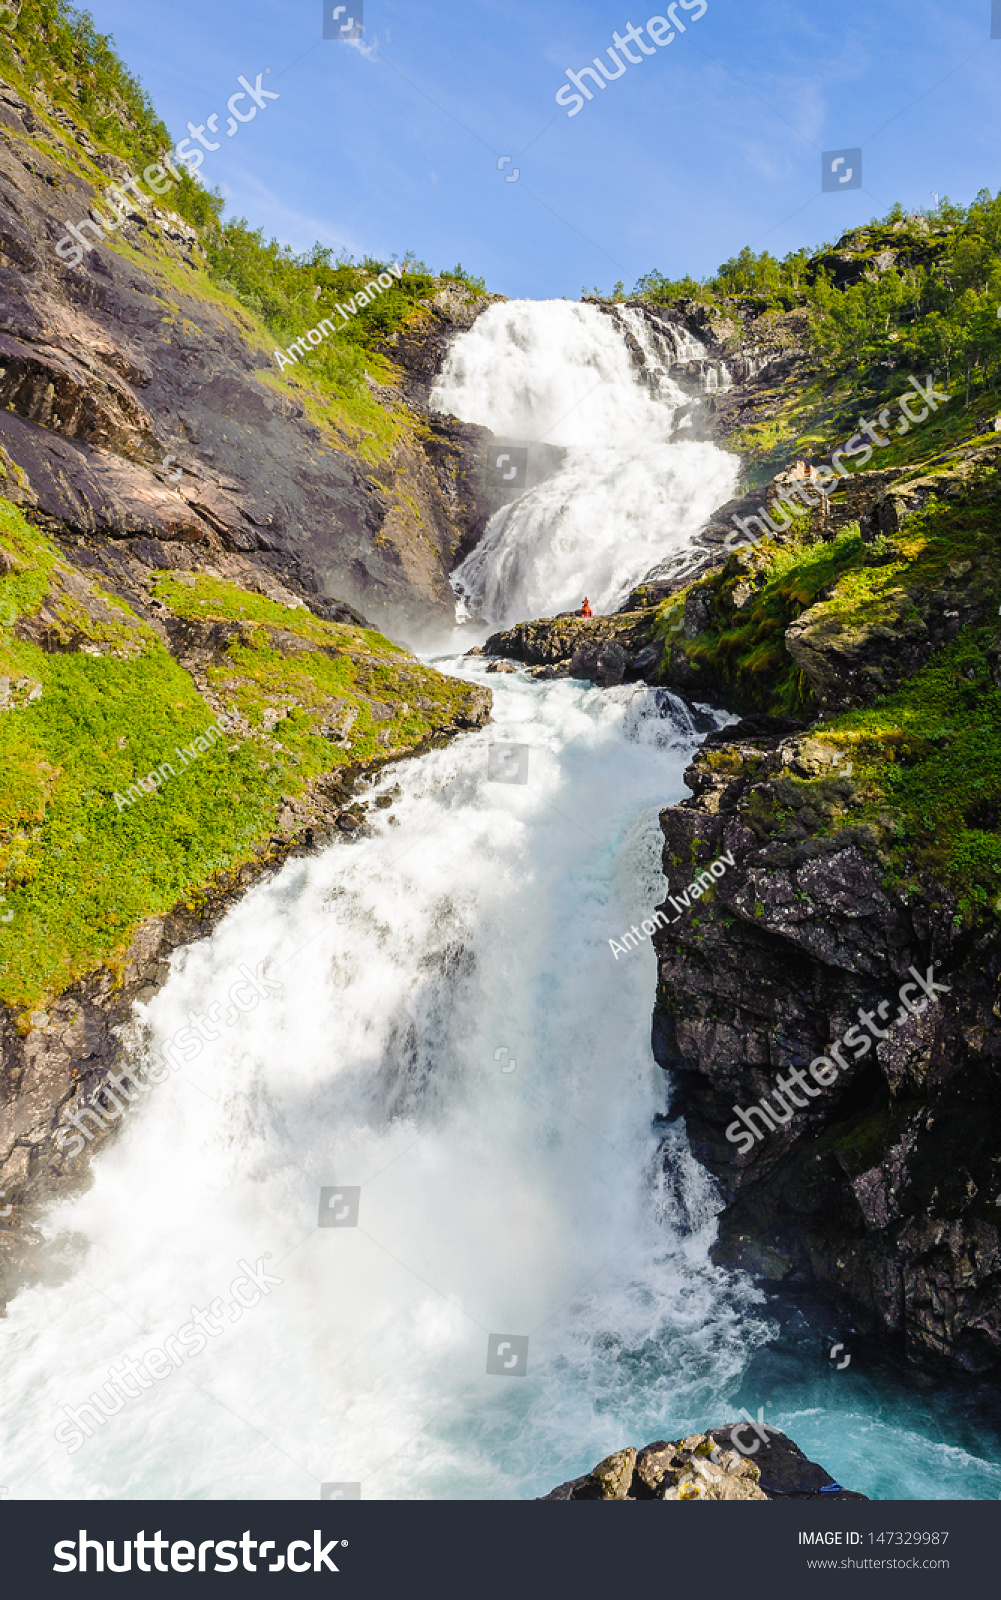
x: 936, y: 306
x: 50, y: 43
x: 933, y: 303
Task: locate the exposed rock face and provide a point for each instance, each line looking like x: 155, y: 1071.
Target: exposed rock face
x: 880, y: 1190
x: 140, y: 409
x: 419, y: 349
x: 707, y: 1466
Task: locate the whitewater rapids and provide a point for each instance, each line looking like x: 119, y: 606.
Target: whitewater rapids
x: 454, y: 1036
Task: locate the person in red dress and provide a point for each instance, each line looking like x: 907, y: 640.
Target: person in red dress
x: 585, y: 609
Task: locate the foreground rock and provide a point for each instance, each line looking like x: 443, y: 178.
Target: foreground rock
x: 707, y: 1466
x: 604, y: 650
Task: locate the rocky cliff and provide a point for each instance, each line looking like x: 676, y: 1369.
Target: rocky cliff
x: 872, y: 1180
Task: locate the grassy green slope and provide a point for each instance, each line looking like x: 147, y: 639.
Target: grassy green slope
x: 105, y: 703
x: 926, y: 757
x: 55, y: 57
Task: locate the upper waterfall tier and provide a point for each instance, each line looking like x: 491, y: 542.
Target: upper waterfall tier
x: 628, y: 490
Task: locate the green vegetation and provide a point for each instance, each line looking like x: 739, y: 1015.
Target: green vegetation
x: 902, y: 292
x: 926, y: 757
x: 742, y: 653
x: 291, y: 292
x: 47, y: 42
x: 77, y: 870
x: 931, y: 755
x: 926, y: 781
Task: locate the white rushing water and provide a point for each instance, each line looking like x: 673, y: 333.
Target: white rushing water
x: 625, y: 496
x: 455, y: 1037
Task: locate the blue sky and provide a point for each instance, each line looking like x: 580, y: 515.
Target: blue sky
x: 712, y: 143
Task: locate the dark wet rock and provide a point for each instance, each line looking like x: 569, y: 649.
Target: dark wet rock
x: 603, y: 663
x: 549, y: 673
x: 420, y: 347
x: 474, y: 711
x: 603, y: 650
x: 879, y: 1193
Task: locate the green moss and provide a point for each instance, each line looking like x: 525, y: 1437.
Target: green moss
x: 80, y: 872
x: 742, y: 653
x: 930, y: 754
x: 80, y: 869
x: 862, y: 1143
x: 53, y: 45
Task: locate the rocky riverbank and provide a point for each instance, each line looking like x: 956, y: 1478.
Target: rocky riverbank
x: 879, y: 1191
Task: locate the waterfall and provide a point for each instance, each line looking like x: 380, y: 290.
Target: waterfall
x: 451, y: 1070
x: 624, y: 496
x: 454, y: 1038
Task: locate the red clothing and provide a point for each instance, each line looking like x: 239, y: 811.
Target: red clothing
x: 585, y: 610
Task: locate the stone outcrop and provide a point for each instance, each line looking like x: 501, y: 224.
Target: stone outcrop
x: 604, y: 650
x: 707, y: 1466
